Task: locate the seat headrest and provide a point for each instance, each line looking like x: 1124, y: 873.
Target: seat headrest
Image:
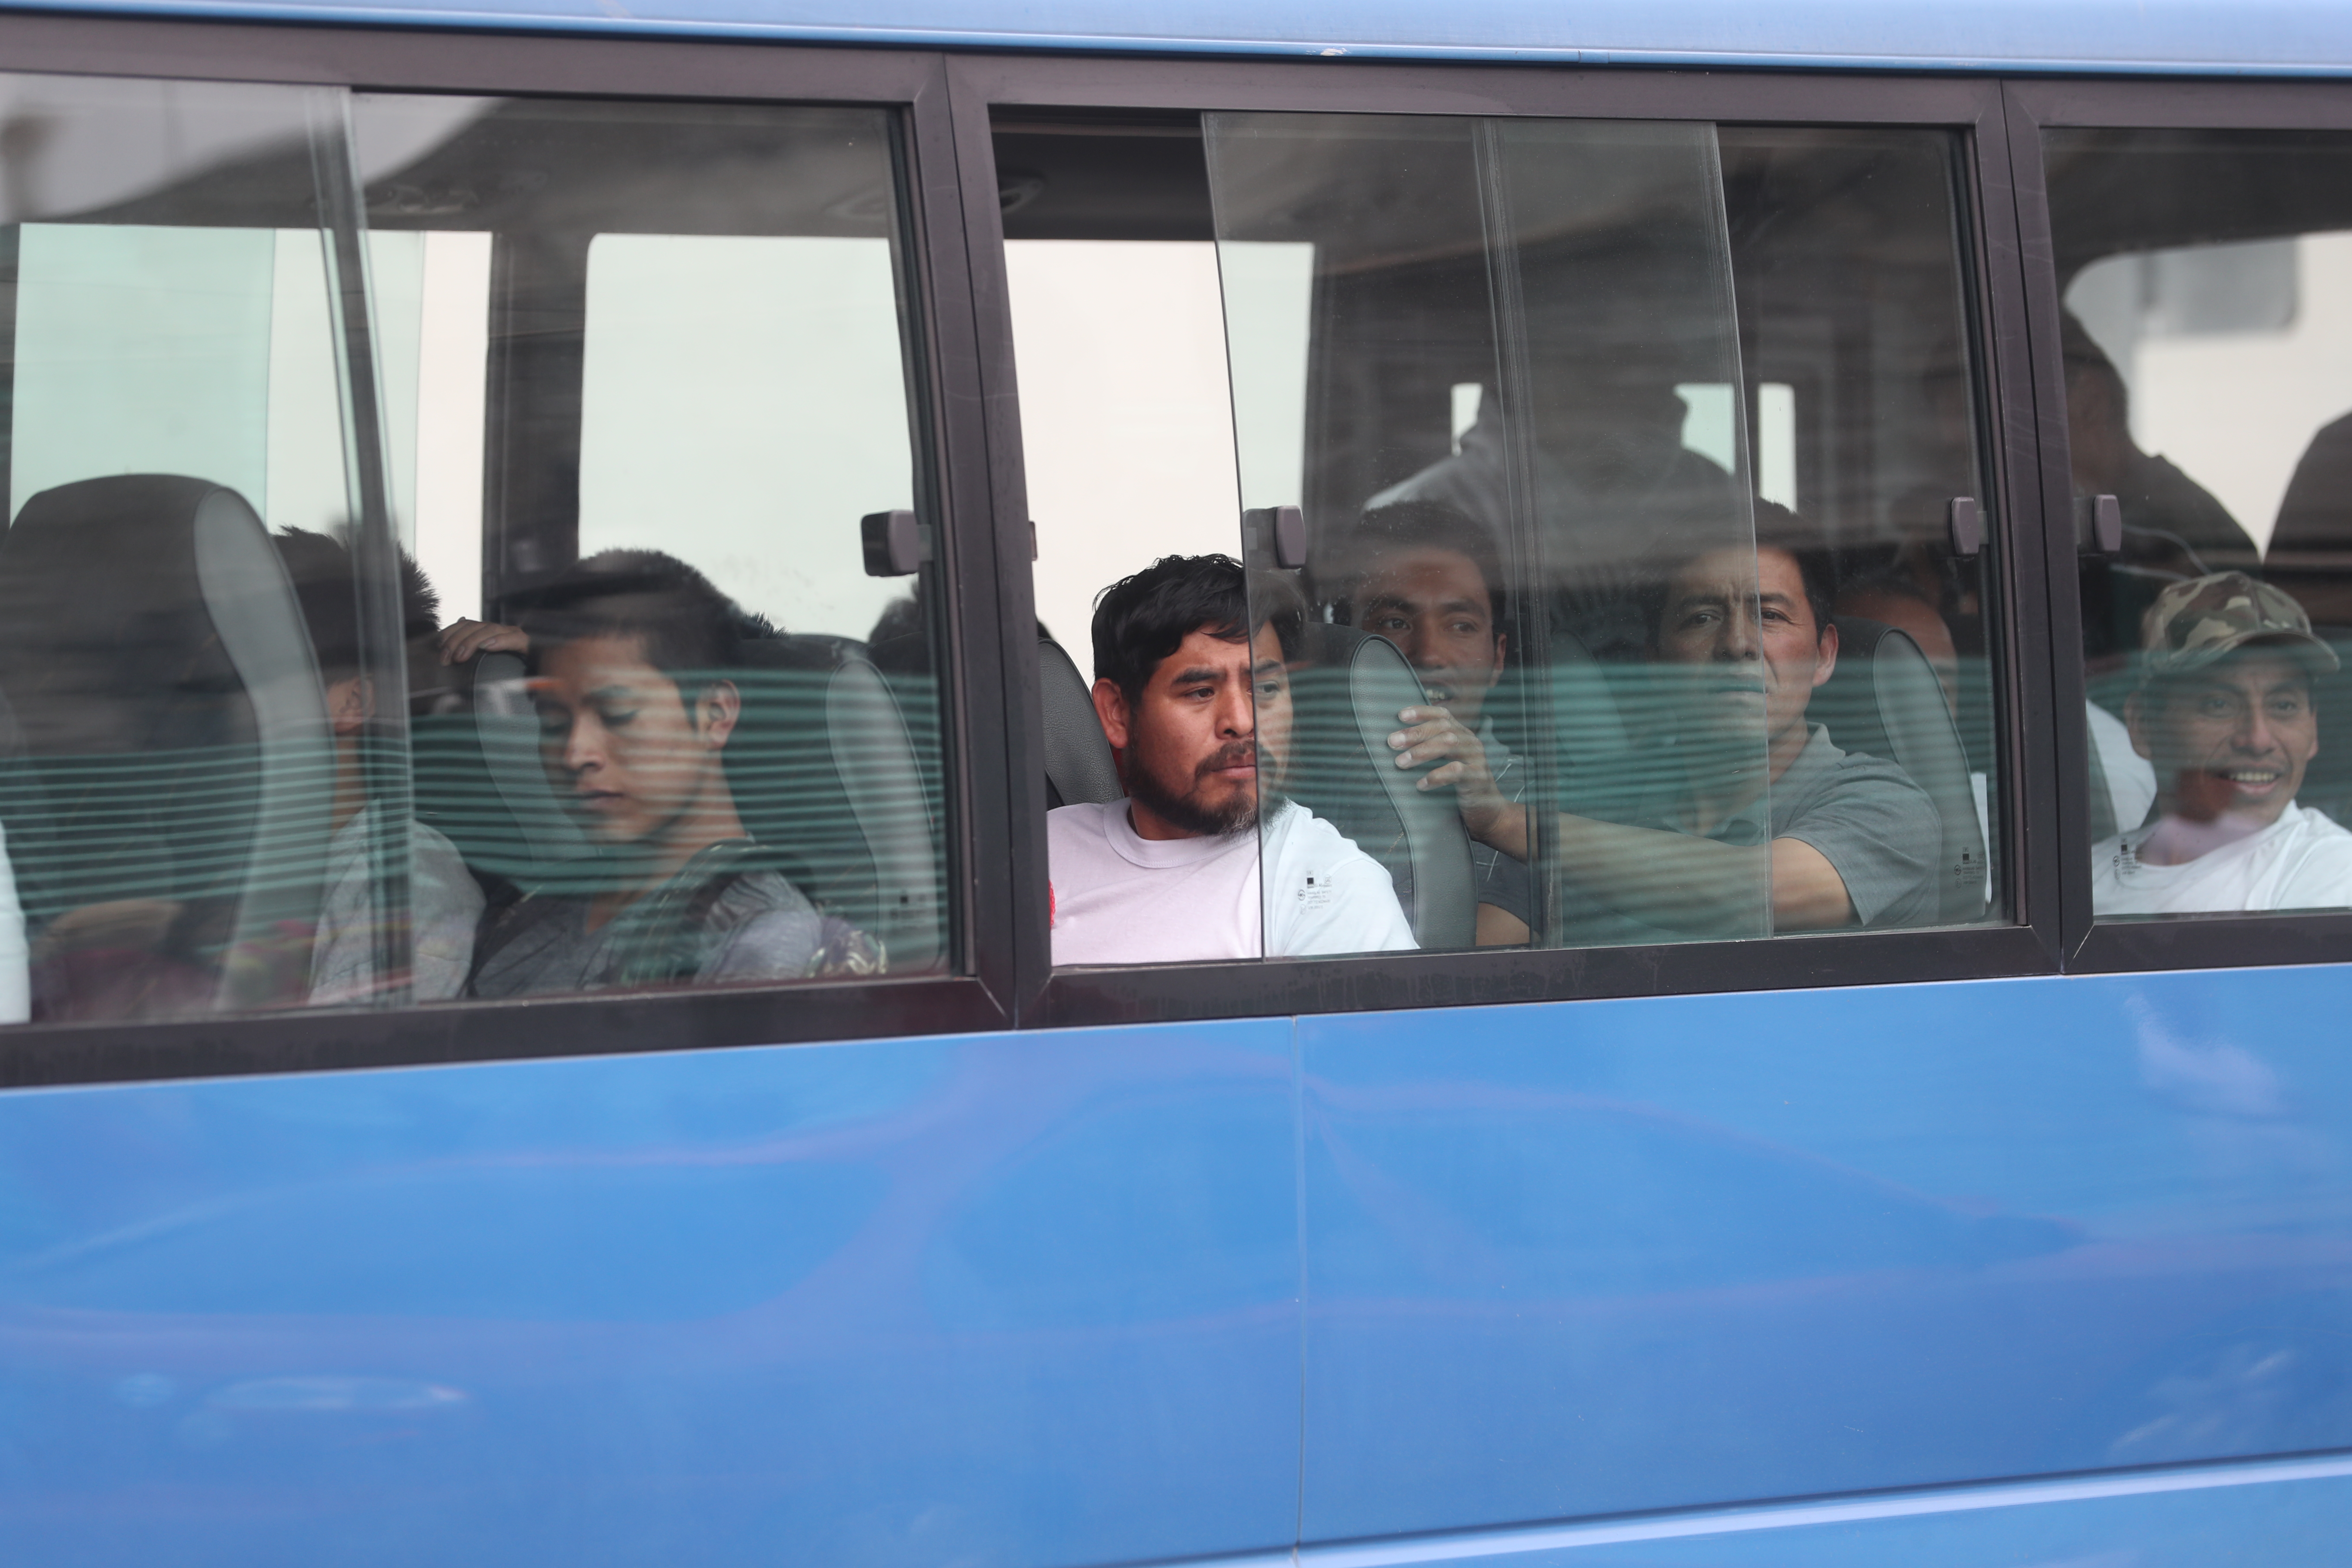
x: 153, y: 652
x: 1079, y: 767
x: 1347, y: 689
x: 853, y: 812
x: 114, y: 596
x: 1885, y: 700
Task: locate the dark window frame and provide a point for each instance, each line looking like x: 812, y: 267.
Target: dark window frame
x: 1974, y: 108
x: 2184, y: 942
x: 978, y: 996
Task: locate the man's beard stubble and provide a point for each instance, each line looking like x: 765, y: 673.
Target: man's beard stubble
x: 1238, y: 817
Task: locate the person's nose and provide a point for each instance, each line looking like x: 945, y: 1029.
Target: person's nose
x: 2255, y: 736
x: 583, y: 746
x: 1741, y: 638
x: 1237, y: 710
x: 1421, y: 647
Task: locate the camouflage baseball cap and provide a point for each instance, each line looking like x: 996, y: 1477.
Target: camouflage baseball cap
x: 2204, y: 620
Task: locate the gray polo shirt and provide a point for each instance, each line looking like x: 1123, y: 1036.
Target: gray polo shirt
x: 1879, y: 831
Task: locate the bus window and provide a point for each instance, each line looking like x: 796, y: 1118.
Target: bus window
x: 1163, y: 688
x: 181, y: 743
x: 2207, y: 339
x: 1507, y: 421
x: 1641, y: 443
x: 460, y: 548
x: 693, y: 734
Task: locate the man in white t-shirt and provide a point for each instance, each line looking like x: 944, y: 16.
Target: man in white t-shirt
x: 1205, y: 859
x: 2224, y: 712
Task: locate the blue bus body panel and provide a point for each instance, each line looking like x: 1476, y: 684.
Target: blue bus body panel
x: 1036, y: 1298
x: 905, y: 1301
x: 2269, y: 36
x: 1596, y: 1259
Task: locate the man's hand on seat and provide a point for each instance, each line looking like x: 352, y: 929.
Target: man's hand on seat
x: 1432, y: 733
x: 466, y: 639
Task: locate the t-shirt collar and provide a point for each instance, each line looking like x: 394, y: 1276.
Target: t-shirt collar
x: 1166, y: 854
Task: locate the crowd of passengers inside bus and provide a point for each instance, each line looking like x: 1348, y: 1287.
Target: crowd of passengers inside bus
x: 1720, y: 804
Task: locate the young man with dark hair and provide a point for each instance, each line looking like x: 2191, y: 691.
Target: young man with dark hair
x: 631, y: 655
x: 1193, y: 694
x: 2224, y: 712
x: 1427, y: 577
x: 1747, y: 796
x: 444, y: 902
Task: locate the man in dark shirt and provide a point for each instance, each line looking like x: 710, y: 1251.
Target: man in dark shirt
x: 633, y: 656
x: 1749, y: 819
x: 1427, y: 577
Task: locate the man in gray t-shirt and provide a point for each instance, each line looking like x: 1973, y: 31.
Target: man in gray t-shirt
x: 1752, y: 822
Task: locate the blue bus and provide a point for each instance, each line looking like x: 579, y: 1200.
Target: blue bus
x: 1722, y: 951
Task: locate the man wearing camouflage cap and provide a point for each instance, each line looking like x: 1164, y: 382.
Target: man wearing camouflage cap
x: 2224, y: 712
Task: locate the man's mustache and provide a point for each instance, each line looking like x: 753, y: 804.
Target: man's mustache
x: 1239, y: 754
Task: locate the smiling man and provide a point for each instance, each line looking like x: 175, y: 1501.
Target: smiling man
x: 1194, y: 695
x: 1747, y: 800
x: 2224, y: 712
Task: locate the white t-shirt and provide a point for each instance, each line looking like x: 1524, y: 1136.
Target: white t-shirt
x: 2302, y: 861
x: 1122, y: 898
x: 2131, y: 778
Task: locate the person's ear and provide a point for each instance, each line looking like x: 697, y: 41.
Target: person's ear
x: 349, y: 705
x: 2135, y: 721
x: 717, y: 711
x: 1829, y: 650
x: 1111, y: 706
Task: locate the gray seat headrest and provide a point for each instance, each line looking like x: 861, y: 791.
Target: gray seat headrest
x: 1079, y: 767
x: 1883, y: 700
x: 1346, y: 693
x: 851, y: 819
x: 508, y: 727
x: 155, y: 655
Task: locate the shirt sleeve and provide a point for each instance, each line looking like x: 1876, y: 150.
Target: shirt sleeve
x: 1883, y: 838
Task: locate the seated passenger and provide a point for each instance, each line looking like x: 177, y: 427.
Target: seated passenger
x: 2224, y: 711
x: 630, y: 652
x: 444, y: 902
x: 2310, y: 548
x: 1196, y: 700
x: 1744, y: 792
x: 1427, y: 578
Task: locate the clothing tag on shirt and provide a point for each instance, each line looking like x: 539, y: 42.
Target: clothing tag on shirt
x: 1315, y: 893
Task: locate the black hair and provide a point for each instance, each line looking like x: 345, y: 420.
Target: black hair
x: 1140, y: 620
x: 685, y: 627
x: 1778, y: 527
x: 1426, y: 525
x: 325, y: 586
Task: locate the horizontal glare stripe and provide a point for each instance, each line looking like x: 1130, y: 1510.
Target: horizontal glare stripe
x: 1519, y: 1542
